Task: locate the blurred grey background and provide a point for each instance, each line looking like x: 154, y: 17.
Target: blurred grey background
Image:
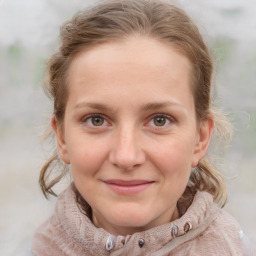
x: 29, y: 32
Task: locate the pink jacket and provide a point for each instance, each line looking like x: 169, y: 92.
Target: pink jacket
x: 204, y: 229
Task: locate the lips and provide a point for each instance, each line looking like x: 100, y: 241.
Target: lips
x: 128, y: 186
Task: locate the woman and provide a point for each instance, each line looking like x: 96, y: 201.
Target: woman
x: 133, y: 118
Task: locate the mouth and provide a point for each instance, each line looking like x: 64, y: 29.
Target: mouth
x: 128, y: 186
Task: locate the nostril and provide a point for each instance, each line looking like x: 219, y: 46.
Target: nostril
x: 127, y: 160
x: 125, y: 163
x: 126, y: 152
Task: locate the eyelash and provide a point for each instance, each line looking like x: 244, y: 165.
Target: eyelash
x: 151, y: 119
x: 167, y: 117
x: 90, y: 117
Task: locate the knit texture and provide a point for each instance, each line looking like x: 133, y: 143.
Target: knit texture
x: 204, y: 229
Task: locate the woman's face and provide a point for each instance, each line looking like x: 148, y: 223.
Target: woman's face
x: 130, y: 132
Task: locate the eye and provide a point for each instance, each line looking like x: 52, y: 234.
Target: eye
x: 160, y: 120
x: 95, y: 120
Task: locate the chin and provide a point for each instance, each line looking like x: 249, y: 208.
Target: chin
x: 131, y: 222
x: 131, y: 218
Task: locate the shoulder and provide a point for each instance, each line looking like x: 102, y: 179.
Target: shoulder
x: 51, y: 233
x: 221, y: 237
x: 43, y: 242
x: 224, y: 224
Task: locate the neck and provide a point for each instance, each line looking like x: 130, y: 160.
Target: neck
x: 101, y: 222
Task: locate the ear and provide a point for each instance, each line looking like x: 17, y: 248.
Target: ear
x: 61, y: 143
x: 205, y: 133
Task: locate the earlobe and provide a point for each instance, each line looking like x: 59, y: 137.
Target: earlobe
x: 205, y: 133
x: 61, y: 143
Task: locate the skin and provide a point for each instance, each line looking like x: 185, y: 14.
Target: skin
x: 144, y: 128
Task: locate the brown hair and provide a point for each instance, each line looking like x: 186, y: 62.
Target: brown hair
x: 115, y: 20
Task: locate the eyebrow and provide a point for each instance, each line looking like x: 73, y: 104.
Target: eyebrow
x: 157, y: 105
x: 92, y: 105
x: 146, y: 108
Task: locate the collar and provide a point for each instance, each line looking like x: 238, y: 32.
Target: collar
x: 98, y: 241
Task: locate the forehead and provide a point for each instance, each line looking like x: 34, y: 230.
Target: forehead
x: 132, y: 50
x: 138, y: 65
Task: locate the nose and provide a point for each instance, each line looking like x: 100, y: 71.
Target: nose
x: 126, y: 151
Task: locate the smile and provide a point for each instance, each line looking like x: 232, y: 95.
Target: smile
x: 128, y: 186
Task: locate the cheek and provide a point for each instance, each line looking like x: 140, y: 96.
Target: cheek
x: 173, y: 162
x: 86, y: 160
x: 173, y: 155
x: 86, y: 157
